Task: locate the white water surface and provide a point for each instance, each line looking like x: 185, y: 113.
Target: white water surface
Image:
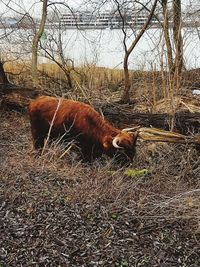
x: 105, y: 47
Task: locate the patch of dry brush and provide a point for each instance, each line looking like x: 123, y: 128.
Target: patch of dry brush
x: 57, y: 211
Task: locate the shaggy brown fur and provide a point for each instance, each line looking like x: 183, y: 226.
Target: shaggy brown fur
x: 68, y: 119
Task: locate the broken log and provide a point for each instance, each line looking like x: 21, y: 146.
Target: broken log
x: 153, y: 134
x: 184, y: 122
x: 16, y: 97
x: 13, y: 96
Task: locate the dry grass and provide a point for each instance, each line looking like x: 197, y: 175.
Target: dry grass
x: 57, y: 211
x: 166, y: 163
x: 151, y: 91
x: 89, y: 82
x: 91, y: 76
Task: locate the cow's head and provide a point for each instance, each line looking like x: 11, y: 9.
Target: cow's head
x: 122, y: 146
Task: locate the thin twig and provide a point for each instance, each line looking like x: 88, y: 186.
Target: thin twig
x: 51, y: 125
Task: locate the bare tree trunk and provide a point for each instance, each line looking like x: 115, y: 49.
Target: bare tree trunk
x: 35, y: 43
x: 126, y: 94
x: 178, y: 39
x: 167, y: 38
x: 3, y: 77
x: 127, y: 84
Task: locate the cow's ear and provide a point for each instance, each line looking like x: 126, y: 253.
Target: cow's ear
x: 105, y: 145
x: 107, y: 142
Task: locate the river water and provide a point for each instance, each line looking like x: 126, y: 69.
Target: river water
x: 105, y: 47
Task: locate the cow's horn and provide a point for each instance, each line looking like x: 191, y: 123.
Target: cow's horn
x: 115, y: 141
x: 132, y: 129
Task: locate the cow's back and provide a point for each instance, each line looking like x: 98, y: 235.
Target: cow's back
x: 70, y: 114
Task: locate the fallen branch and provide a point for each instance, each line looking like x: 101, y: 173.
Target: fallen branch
x: 154, y: 134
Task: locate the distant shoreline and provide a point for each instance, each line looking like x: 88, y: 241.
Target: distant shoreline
x: 91, y: 27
